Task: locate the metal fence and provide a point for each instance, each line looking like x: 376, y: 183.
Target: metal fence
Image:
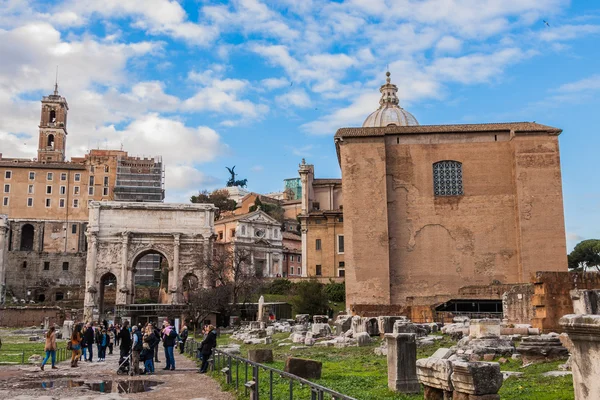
x: 260, y: 381
x: 21, y: 356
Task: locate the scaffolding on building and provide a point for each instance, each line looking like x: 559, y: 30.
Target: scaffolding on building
x: 140, y: 179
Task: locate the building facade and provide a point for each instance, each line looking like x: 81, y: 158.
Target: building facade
x: 257, y: 233
x: 322, y: 225
x: 432, y: 210
x: 46, y: 203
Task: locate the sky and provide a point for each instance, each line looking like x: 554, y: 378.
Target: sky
x: 263, y: 84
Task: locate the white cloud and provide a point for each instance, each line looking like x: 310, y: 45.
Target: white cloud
x: 275, y: 83
x: 154, y: 16
x: 257, y: 168
x: 587, y: 84
x: 448, y: 44
x: 295, y: 98
x: 567, y: 32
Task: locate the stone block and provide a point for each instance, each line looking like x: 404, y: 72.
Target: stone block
x: 320, y: 319
x: 321, y: 329
x: 302, y: 318
x: 343, y: 323
x: 435, y: 372
x: 260, y: 355
x: 401, y: 362
x: 476, y: 378
x: 298, y: 338
x: 386, y: 323
x: 585, y: 301
x: 484, y: 328
x: 307, y: 369
x: 489, y: 357
x: 542, y: 348
x: 405, y: 327
x: 363, y: 338
x: 443, y: 353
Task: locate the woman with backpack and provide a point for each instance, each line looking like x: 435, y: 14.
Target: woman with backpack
x: 50, y: 347
x: 75, y: 344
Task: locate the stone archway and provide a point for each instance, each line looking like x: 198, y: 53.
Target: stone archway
x: 107, y: 288
x: 120, y: 233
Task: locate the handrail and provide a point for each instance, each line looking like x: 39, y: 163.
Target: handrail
x: 223, y: 359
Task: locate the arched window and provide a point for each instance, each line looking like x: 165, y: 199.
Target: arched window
x: 27, y: 237
x: 52, y: 116
x: 447, y: 178
x: 51, y: 140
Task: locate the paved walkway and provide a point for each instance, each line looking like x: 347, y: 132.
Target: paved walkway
x: 28, y: 382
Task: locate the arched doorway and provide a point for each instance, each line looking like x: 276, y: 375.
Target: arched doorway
x: 27, y: 233
x: 107, y: 296
x: 150, y: 277
x: 190, y: 283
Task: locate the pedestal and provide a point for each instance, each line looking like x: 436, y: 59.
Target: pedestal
x: 584, y: 332
x: 402, y: 362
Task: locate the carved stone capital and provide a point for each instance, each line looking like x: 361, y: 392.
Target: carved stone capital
x: 123, y: 289
x: 92, y: 289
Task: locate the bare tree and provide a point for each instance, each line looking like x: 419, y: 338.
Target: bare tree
x: 230, y: 279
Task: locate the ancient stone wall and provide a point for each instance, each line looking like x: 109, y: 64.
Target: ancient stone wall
x: 405, y: 242
x: 551, y: 298
x: 516, y: 304
x: 20, y: 317
x: 366, y: 223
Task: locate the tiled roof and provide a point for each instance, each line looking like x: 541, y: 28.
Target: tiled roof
x: 463, y: 128
x: 291, y: 236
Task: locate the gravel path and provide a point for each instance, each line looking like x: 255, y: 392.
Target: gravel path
x: 28, y: 382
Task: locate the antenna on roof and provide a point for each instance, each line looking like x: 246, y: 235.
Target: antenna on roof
x: 56, y: 82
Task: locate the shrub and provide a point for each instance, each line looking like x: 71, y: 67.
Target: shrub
x: 336, y: 292
x: 280, y: 286
x: 310, y: 298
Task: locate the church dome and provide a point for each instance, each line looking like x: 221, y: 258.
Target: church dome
x: 389, y: 112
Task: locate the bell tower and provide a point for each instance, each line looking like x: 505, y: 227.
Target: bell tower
x: 53, y: 128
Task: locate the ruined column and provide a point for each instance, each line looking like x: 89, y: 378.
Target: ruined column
x: 402, y: 362
x: 174, y: 281
x: 90, y: 275
x: 269, y: 266
x: 123, y: 281
x: 584, y: 332
x: 3, y: 250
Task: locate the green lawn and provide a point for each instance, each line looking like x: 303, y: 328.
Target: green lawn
x: 17, y: 348
x: 358, y: 372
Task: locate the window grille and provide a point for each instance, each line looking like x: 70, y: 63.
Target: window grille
x: 447, y: 178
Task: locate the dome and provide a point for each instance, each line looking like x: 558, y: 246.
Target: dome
x: 389, y: 112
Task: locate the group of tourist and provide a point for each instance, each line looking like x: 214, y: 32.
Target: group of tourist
x: 140, y: 343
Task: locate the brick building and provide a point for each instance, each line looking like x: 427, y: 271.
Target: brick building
x: 46, y: 203
x: 432, y: 209
x: 322, y: 224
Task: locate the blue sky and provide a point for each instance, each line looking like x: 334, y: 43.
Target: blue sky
x: 262, y: 84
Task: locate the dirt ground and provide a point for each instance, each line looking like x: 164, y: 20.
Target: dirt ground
x: 23, y: 382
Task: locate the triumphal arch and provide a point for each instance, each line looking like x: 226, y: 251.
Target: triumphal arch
x: 119, y: 234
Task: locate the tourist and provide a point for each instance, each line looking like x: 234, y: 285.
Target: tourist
x: 157, y: 334
x: 111, y: 338
x: 136, y: 349
x: 89, y: 340
x: 117, y: 331
x: 150, y: 342
x: 103, y: 345
x: 206, y: 347
x: 169, y: 338
x: 98, y: 339
x: 125, y: 340
x: 75, y: 342
x: 183, y: 337
x: 50, y: 347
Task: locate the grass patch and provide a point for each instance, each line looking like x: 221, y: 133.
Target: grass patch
x: 358, y: 372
